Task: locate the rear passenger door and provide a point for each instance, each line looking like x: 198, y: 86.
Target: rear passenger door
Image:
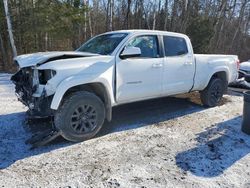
x: 179, y: 66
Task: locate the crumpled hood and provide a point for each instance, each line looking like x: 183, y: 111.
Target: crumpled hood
x: 245, y: 66
x: 39, y: 58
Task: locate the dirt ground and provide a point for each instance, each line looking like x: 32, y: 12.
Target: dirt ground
x: 168, y: 142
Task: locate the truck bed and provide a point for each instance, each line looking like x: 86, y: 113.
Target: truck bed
x: 207, y: 64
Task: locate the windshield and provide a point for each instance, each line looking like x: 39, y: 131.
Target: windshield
x: 103, y: 44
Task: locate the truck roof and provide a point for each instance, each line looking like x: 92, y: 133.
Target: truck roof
x: 147, y: 31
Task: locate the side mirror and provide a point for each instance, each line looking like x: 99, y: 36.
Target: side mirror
x: 130, y: 52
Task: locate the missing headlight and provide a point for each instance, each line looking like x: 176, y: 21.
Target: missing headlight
x: 45, y: 75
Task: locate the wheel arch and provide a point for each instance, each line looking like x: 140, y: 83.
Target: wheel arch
x: 223, y: 75
x: 216, y: 70
x: 97, y: 88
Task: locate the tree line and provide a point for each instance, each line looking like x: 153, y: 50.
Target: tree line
x: 214, y: 26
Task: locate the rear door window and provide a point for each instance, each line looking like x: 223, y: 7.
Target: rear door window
x: 174, y: 46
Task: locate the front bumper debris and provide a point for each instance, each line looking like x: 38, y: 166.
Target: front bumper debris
x: 26, y: 85
x: 48, y: 132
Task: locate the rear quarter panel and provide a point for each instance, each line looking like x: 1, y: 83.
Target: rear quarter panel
x: 208, y: 65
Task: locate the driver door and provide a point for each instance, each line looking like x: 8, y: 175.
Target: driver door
x: 140, y: 77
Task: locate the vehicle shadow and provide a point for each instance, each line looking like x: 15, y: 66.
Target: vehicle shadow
x: 14, y: 132
x: 218, y: 148
x: 140, y: 114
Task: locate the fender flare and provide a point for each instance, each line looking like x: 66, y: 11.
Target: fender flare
x: 217, y: 70
x: 73, y: 81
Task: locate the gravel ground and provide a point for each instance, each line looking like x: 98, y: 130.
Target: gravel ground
x: 168, y: 142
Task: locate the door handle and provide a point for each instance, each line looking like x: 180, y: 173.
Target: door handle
x: 157, y: 65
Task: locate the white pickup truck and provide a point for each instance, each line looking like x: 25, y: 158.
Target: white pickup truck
x: 78, y: 89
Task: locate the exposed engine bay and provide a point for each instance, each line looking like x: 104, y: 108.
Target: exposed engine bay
x: 35, y: 88
x: 27, y: 81
x: 30, y: 81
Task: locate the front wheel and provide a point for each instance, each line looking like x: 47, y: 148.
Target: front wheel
x: 212, y: 94
x: 80, y: 117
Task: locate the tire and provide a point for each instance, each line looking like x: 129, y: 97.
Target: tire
x: 213, y: 93
x: 80, y: 117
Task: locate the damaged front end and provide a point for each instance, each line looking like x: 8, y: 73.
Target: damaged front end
x: 29, y: 85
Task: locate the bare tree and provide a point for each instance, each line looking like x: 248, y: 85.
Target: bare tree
x: 154, y: 14
x: 173, y: 16
x: 240, y: 20
x: 111, y: 14
x: 128, y: 13
x: 90, y: 21
x: 12, y: 42
x: 85, y: 4
x: 220, y: 26
x: 166, y: 14
x: 4, y: 59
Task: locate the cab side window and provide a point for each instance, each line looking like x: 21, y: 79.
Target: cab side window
x: 148, y: 45
x: 175, y: 46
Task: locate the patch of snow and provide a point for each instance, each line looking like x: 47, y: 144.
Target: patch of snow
x: 171, y: 142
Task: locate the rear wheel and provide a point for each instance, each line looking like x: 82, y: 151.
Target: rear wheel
x: 80, y: 117
x: 212, y: 95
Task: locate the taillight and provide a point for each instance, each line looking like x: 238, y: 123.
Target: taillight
x: 238, y: 64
